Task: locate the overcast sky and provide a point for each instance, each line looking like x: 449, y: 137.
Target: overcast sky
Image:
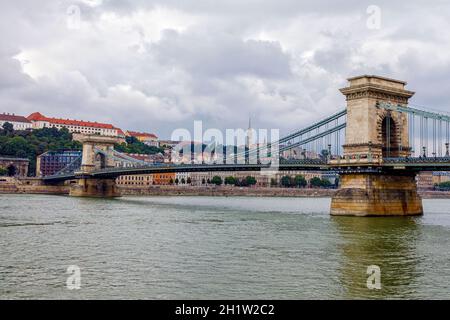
x: 158, y: 65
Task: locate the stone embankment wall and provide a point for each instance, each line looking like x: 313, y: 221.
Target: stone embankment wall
x: 34, y: 186
x: 225, y: 191
x: 30, y: 186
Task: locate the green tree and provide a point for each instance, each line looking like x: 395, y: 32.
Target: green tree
x: 325, y: 183
x: 3, y: 172
x: 8, y: 128
x: 315, y: 182
x: 444, y: 185
x: 286, y: 181
x: 300, y: 181
x: 216, y: 180
x: 30, y: 144
x: 251, y: 181
x: 133, y: 145
x: 230, y: 180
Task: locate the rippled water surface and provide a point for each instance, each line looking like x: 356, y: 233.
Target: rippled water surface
x: 217, y: 248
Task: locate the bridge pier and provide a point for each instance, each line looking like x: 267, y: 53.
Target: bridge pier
x: 377, y: 194
x: 373, y: 134
x: 97, y: 188
x: 97, y: 155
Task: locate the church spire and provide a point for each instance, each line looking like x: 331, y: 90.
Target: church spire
x: 249, y: 141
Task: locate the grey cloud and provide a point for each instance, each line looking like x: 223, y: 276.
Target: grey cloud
x: 282, y: 62
x: 221, y: 55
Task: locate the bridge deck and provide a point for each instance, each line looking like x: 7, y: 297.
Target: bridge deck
x: 411, y: 164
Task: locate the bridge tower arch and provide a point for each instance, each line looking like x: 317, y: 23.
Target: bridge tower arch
x: 374, y: 133
x: 366, y: 123
x: 389, y: 132
x: 97, y: 154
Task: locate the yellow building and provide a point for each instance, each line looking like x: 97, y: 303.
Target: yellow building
x: 135, y: 180
x: 147, y: 138
x: 164, y: 178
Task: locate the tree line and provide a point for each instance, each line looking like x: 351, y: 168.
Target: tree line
x: 31, y: 143
x: 443, y: 186
x: 297, y: 181
x: 133, y: 145
x: 300, y: 181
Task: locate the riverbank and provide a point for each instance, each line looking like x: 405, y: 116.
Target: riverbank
x: 33, y: 186
x: 225, y: 191
x: 30, y: 186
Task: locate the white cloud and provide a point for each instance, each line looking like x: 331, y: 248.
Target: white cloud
x: 159, y: 65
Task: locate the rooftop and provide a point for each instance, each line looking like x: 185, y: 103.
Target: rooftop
x: 37, y: 116
x: 371, y: 76
x: 13, y: 118
x: 141, y: 134
x: 7, y: 158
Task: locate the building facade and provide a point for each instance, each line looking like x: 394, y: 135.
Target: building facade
x: 40, y: 121
x: 164, y: 178
x: 149, y: 139
x: 18, y: 122
x: 205, y: 178
x: 141, y: 180
x: 146, y: 180
x: 51, y: 162
x: 425, y: 181
x: 202, y: 178
x: 440, y: 177
x: 14, y: 167
x: 183, y: 178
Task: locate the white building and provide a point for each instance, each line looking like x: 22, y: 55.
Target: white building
x: 182, y: 176
x: 40, y: 121
x: 18, y: 122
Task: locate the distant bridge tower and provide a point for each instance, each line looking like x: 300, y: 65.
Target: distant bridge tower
x: 97, y: 155
x: 372, y: 134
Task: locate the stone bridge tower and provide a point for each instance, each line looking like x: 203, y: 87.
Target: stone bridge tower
x: 372, y: 134
x: 97, y: 154
x: 375, y: 130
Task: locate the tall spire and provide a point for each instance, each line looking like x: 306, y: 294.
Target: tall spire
x: 249, y: 137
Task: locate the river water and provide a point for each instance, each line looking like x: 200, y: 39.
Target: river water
x: 216, y: 248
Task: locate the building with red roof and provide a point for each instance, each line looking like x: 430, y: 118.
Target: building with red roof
x: 18, y: 122
x: 40, y: 121
x: 147, y: 138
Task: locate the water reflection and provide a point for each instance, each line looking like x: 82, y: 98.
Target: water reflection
x: 389, y: 243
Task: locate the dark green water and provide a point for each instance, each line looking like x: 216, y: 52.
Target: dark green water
x: 217, y: 248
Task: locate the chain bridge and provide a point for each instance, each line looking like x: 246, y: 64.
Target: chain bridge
x: 377, y: 143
